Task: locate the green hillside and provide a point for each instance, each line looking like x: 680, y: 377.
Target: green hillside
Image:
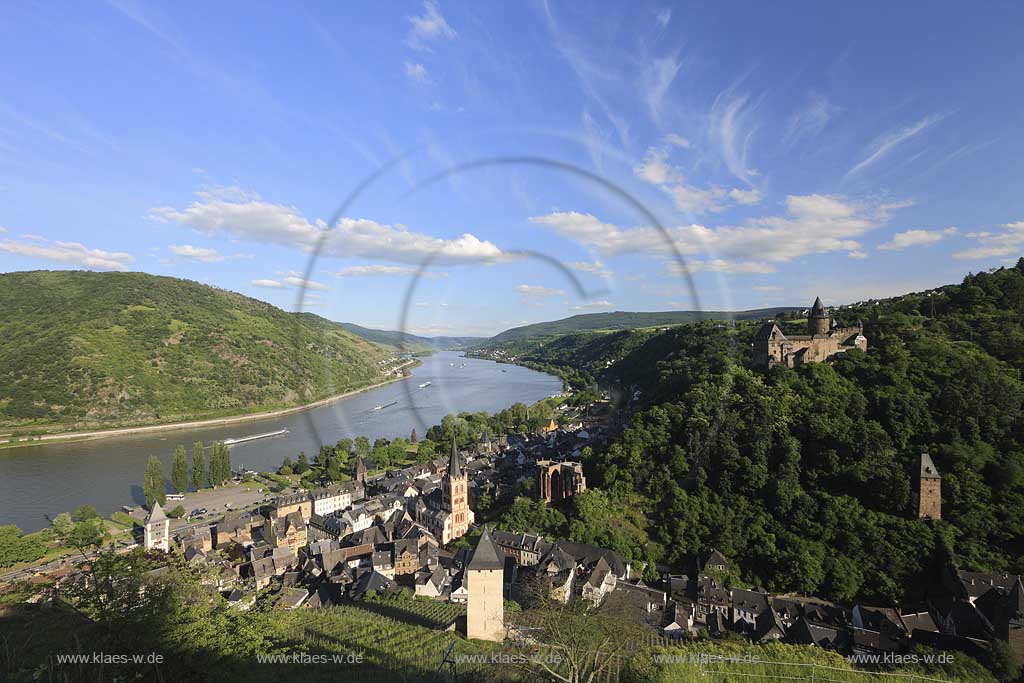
x: 412, y: 343
x: 83, y: 350
x: 804, y: 476
x: 623, y: 320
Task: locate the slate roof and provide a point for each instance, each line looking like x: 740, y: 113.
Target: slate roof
x: 487, y: 554
x: 156, y: 514
x: 928, y: 470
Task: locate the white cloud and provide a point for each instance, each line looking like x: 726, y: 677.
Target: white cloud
x: 1007, y: 243
x: 591, y: 267
x: 32, y: 237
x: 244, y: 215
x: 417, y: 72
x: 767, y: 288
x: 267, y: 284
x: 2, y: 229
x: 308, y: 284
x: 812, y: 224
x: 592, y: 305
x: 201, y: 254
x: 857, y: 254
x: 719, y: 266
x: 537, y: 291
x: 664, y: 16
x: 73, y: 253
x: 888, y: 142
x: 428, y: 27
x: 656, y: 170
x: 915, y: 238
x: 364, y: 271
x: 745, y: 196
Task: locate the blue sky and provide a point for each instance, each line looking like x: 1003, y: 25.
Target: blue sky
x: 786, y: 150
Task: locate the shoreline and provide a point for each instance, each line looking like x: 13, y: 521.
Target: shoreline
x: 209, y: 422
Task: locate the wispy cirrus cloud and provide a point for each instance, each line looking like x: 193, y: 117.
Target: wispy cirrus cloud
x: 886, y: 143
x: 811, y: 119
x: 379, y: 269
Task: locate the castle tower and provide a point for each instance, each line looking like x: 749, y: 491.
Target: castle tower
x: 485, y: 603
x: 156, y: 529
x: 929, y: 489
x: 455, y: 486
x: 817, y: 321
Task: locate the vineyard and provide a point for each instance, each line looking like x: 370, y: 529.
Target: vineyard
x: 391, y: 649
x: 422, y: 612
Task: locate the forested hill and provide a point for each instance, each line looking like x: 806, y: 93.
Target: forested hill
x: 409, y: 342
x: 83, y: 349
x: 804, y: 476
x: 622, y: 320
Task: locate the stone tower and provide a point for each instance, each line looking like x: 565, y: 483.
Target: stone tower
x: 817, y: 321
x: 455, y: 486
x: 156, y: 529
x: 359, y: 470
x: 928, y: 494
x: 485, y: 603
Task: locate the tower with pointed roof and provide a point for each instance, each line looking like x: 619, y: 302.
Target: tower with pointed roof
x: 359, y: 470
x: 156, y: 529
x: 445, y: 510
x: 928, y: 493
x: 485, y: 603
x: 818, y: 320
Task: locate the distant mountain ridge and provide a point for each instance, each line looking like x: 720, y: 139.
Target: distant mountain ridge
x: 397, y: 339
x: 622, y: 320
x: 86, y: 350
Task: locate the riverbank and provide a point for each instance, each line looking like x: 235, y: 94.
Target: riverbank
x: 211, y: 422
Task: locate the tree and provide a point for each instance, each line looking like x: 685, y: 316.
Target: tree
x: 86, y: 512
x: 154, y: 487
x: 362, y: 446
x: 413, y: 438
x: 177, y: 513
x: 62, y: 525
x: 15, y: 548
x: 343, y: 448
x: 198, y: 465
x: 179, y: 470
x: 220, y: 464
x: 426, y: 451
x: 302, y: 466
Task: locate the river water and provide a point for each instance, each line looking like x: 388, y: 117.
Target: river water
x: 36, y: 481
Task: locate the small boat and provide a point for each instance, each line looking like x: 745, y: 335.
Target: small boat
x: 267, y: 435
x: 385, y: 405
x: 425, y: 385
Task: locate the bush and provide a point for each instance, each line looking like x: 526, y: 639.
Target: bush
x: 176, y: 513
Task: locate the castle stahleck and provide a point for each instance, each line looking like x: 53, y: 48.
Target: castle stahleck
x: 821, y: 343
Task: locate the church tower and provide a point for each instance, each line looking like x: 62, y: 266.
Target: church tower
x: 455, y: 486
x: 359, y: 470
x: 156, y: 529
x: 485, y: 602
x: 817, y: 321
x: 928, y: 492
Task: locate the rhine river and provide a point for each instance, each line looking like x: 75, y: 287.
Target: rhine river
x: 37, y: 481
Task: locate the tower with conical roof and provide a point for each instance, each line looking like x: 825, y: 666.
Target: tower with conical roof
x: 359, y: 470
x: 928, y: 495
x: 156, y: 530
x: 455, y: 487
x: 818, y: 320
x: 485, y: 602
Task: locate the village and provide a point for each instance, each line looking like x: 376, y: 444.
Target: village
x: 401, y: 534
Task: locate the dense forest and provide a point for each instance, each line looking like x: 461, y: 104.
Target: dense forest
x: 85, y: 349
x: 804, y: 476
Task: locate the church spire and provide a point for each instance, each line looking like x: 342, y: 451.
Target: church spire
x: 454, y: 462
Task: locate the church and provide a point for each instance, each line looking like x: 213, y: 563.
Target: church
x: 822, y: 343
x: 445, y: 510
